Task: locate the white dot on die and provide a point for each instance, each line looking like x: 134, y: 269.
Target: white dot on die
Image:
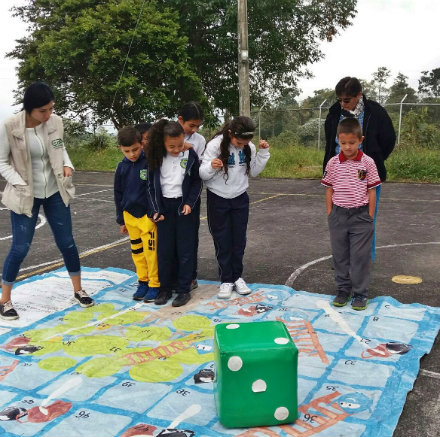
x: 233, y: 326
x: 281, y: 413
x: 259, y: 386
x: 235, y: 363
x: 281, y: 340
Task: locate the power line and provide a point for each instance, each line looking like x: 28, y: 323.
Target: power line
x: 128, y: 53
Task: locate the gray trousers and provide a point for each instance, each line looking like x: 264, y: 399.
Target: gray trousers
x: 351, y: 237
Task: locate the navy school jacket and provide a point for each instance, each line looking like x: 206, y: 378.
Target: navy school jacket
x: 191, y: 186
x: 130, y: 188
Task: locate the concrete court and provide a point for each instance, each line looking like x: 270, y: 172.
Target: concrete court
x: 288, y: 243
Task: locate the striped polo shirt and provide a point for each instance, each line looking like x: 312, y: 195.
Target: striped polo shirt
x: 350, y: 179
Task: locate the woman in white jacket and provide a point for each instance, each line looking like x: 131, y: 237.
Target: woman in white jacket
x: 229, y: 159
x: 38, y: 172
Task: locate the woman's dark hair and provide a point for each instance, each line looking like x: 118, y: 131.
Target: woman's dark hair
x: 240, y: 127
x: 156, y: 146
x: 37, y: 95
x: 348, y: 86
x: 191, y: 111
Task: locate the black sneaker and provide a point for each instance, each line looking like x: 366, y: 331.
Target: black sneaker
x: 194, y: 284
x: 359, y: 303
x: 341, y: 299
x: 83, y: 299
x: 163, y: 297
x: 181, y: 299
x: 7, y: 311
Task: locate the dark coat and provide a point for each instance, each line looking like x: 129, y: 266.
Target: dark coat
x: 191, y: 186
x: 378, y: 131
x: 130, y: 188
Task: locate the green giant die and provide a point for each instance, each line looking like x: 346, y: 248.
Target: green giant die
x: 256, y: 381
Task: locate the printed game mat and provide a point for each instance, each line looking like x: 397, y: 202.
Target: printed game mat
x: 123, y: 368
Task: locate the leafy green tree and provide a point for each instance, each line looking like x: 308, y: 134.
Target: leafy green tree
x: 380, y: 78
x: 80, y: 48
x: 429, y: 83
x: 399, y: 88
x: 284, y: 36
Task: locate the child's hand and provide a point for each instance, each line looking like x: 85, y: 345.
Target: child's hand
x: 216, y: 163
x: 263, y: 144
x: 157, y: 217
x: 186, y: 210
x: 187, y: 146
x: 123, y: 229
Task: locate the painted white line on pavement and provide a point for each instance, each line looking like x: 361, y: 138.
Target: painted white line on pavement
x: 300, y: 269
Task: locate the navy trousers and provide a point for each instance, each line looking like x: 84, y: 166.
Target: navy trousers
x: 227, y: 220
x: 175, y: 245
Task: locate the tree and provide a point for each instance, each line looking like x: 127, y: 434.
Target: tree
x: 181, y: 49
x: 80, y: 49
x: 429, y: 83
x: 380, y: 78
x: 284, y: 36
x: 400, y: 88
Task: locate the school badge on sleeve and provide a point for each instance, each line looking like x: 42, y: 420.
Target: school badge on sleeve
x: 362, y: 174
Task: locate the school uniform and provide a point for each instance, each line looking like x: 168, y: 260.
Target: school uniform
x: 175, y: 184
x: 198, y: 142
x: 228, y: 204
x: 131, y: 200
x: 350, y: 225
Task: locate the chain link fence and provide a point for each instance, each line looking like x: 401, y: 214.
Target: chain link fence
x: 415, y: 124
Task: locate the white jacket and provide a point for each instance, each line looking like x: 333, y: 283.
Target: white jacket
x: 16, y: 165
x: 237, y: 181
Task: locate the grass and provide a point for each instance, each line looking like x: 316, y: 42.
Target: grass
x: 406, y: 163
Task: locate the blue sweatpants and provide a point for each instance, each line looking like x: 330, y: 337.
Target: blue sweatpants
x: 227, y: 220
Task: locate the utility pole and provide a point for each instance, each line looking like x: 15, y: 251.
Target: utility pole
x: 243, y: 60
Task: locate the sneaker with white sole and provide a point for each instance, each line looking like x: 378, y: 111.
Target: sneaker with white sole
x: 83, y: 299
x: 225, y: 291
x: 241, y: 287
x: 7, y: 311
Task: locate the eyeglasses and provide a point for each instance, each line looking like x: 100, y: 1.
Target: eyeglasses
x: 345, y: 100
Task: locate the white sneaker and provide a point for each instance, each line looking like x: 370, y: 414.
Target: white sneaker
x: 241, y: 287
x: 225, y: 291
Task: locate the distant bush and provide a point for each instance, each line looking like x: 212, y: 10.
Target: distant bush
x: 100, y: 140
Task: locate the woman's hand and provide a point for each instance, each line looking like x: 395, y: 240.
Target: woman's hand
x: 216, y: 163
x: 67, y: 171
x: 186, y: 210
x: 263, y: 144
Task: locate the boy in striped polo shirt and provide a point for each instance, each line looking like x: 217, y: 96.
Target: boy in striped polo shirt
x: 349, y: 178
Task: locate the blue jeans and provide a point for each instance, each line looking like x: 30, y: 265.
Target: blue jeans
x: 23, y: 228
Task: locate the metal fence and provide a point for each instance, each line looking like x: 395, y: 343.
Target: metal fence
x: 306, y: 125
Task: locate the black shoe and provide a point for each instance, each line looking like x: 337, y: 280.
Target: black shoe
x: 83, y: 299
x: 359, y: 302
x: 341, y: 299
x: 7, y: 311
x: 163, y: 297
x: 181, y: 299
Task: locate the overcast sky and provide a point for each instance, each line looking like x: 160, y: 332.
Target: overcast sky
x: 402, y: 35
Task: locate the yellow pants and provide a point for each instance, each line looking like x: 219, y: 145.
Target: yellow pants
x: 143, y: 238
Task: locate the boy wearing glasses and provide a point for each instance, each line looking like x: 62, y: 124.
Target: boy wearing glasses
x: 377, y: 128
x: 351, y: 179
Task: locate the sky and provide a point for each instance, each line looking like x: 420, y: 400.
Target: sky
x: 401, y: 35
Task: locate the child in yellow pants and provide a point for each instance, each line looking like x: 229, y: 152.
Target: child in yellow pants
x: 131, y: 212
